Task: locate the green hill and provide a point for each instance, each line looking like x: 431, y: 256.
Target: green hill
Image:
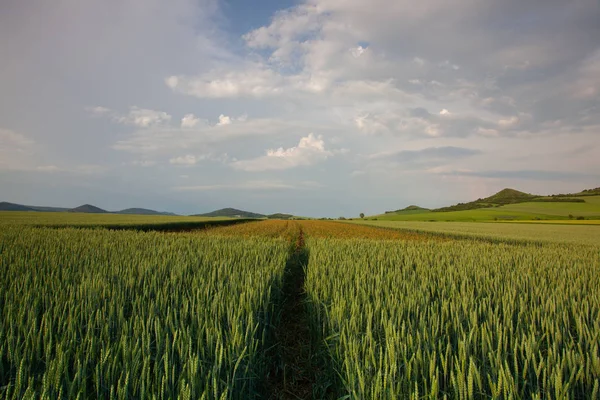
x: 412, y: 209
x: 509, y: 204
x: 88, y: 208
x: 508, y: 196
x: 231, y: 212
x: 503, y: 197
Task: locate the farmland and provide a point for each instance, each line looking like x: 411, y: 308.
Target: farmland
x: 298, y: 309
x: 534, y: 210
x: 518, y: 231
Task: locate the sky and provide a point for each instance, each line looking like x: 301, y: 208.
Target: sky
x: 316, y: 108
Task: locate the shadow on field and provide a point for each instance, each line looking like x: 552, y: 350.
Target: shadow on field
x: 168, y: 227
x: 297, y: 369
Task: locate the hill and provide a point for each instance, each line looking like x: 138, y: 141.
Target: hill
x: 6, y: 206
x: 231, y: 212
x: 88, y: 208
x: 503, y: 197
x: 142, y: 211
x: 510, y: 204
x: 412, y: 209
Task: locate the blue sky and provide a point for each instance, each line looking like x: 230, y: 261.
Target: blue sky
x: 318, y: 108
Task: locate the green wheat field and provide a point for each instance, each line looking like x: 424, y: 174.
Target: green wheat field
x: 115, y: 307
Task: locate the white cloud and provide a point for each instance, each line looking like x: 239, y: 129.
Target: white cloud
x: 508, y: 122
x: 189, y: 121
x: 253, y: 81
x: 444, y: 112
x: 358, y: 51
x: 224, y: 120
x: 185, y: 160
x: 144, y: 118
x: 98, y: 110
x: 172, y: 81
x: 143, y: 163
x: 310, y: 150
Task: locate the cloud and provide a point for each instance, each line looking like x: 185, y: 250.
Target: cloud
x: 185, y: 160
x: 426, y: 155
x: 140, y: 117
x: 358, y: 51
x: 310, y: 150
x: 224, y: 120
x: 98, y: 110
x: 253, y: 81
x: 167, y: 140
x: 144, y: 118
x: 189, y: 121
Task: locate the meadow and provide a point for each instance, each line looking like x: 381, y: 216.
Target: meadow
x: 298, y: 309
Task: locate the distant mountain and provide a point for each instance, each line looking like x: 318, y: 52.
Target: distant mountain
x: 142, y: 211
x: 88, y: 208
x: 5, y: 206
x: 231, y: 212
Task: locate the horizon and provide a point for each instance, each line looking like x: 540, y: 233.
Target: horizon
x: 267, y: 213
x: 313, y: 108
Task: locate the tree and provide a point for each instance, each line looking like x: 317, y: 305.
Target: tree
x: 362, y: 215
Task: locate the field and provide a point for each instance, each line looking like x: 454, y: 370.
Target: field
x: 298, y: 309
x: 515, y: 231
x: 521, y: 211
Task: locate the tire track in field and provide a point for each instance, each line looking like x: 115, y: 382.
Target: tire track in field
x: 296, y: 371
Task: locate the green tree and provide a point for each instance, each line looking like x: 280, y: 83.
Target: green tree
x: 362, y: 215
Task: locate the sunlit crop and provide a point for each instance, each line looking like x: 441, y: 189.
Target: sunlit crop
x: 457, y: 319
x: 101, y: 314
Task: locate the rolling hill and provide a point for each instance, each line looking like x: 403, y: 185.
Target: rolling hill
x: 88, y: 208
x: 231, y: 212
x: 412, y: 209
x: 509, y: 204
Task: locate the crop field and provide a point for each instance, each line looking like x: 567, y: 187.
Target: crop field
x: 104, y: 314
x: 299, y: 309
x: 557, y: 233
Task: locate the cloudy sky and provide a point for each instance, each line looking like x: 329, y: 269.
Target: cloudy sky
x: 318, y: 108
